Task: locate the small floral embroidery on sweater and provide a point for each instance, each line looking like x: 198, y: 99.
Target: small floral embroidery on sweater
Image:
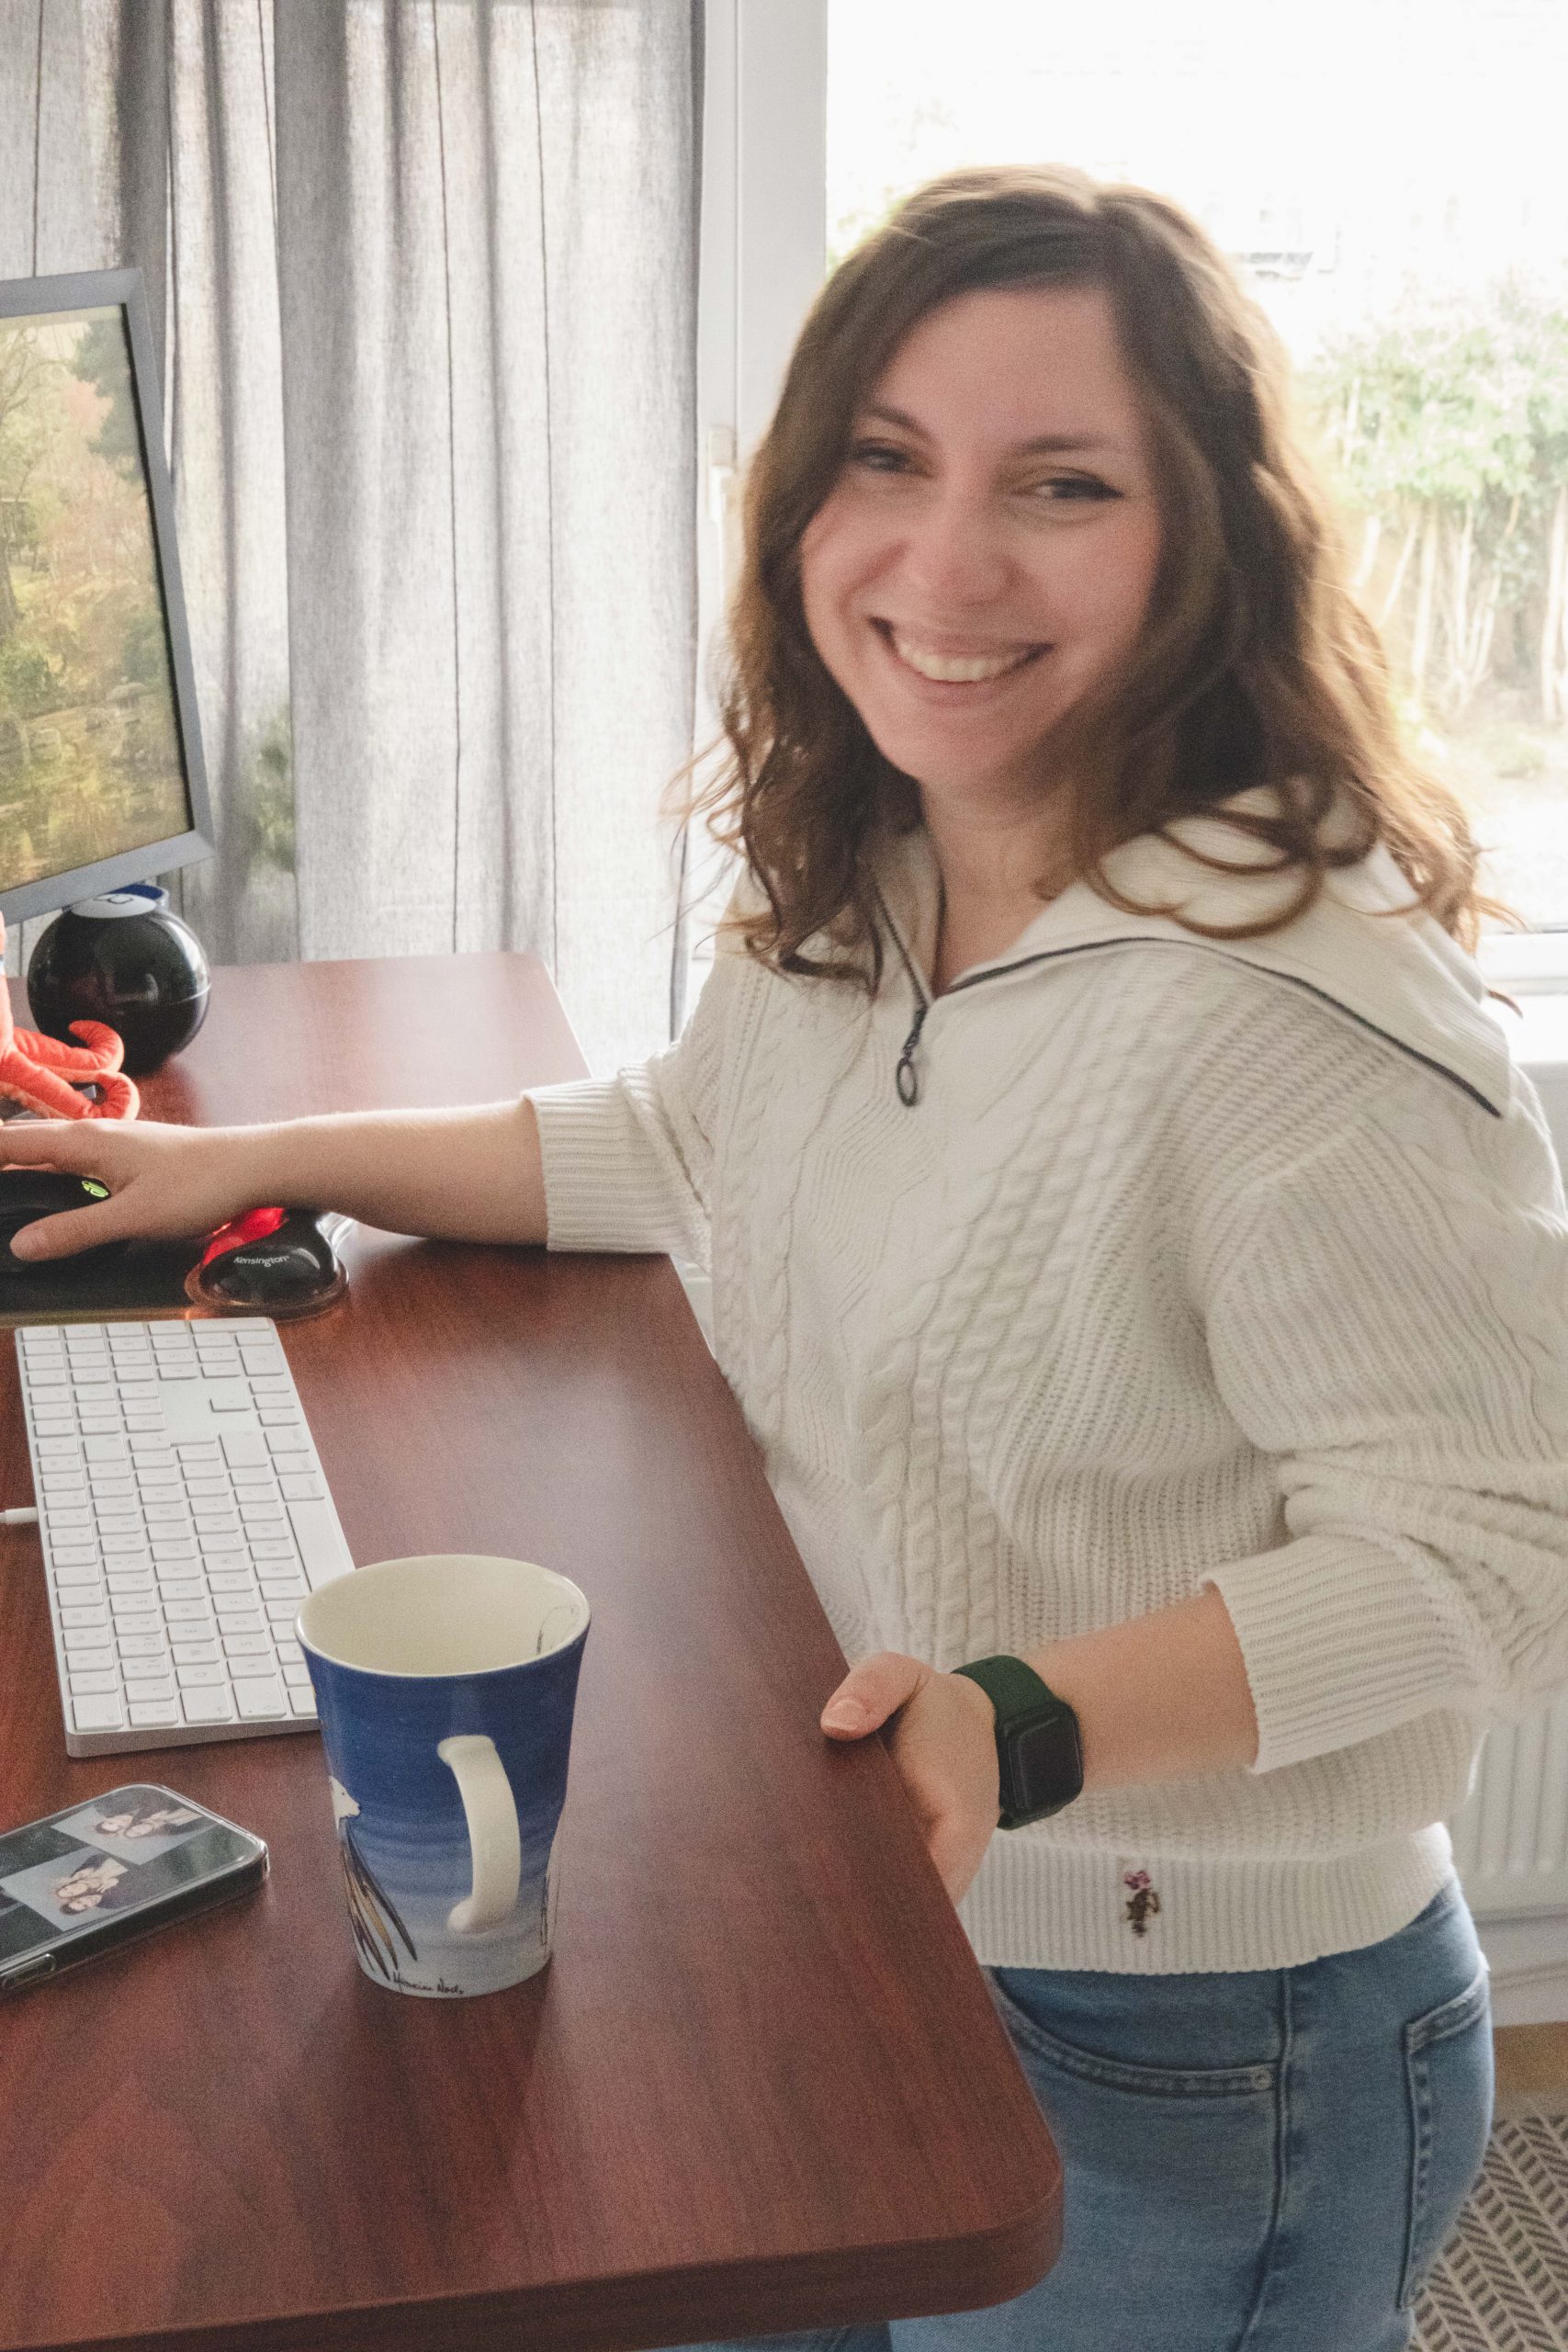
x: 1142, y: 1901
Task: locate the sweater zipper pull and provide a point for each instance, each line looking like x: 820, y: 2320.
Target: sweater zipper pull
x: 908, y: 1077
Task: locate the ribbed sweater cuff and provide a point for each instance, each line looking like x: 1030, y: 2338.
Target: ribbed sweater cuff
x: 1342, y: 1639
x: 598, y: 1194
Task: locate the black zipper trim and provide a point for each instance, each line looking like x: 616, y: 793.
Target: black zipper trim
x: 906, y: 1076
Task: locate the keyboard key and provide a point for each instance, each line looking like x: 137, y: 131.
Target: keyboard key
x: 200, y: 1677
x: 77, y: 1573
x: 188, y: 1612
x: 242, y: 1447
x: 84, y: 1616
x: 297, y: 1677
x: 92, y: 1683
x: 97, y: 1715
x: 302, y: 1702
x: 73, y: 1555
x: 246, y: 1645
x: 321, y: 1541
x: 146, y: 1714
x: 207, y: 1706
x: 261, y: 1697
x: 90, y: 1643
x: 195, y: 1653
x: 153, y: 1687
x: 142, y: 1646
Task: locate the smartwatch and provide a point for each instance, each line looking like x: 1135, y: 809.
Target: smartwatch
x: 1038, y: 1750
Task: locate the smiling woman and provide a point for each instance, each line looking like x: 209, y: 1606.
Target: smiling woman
x: 1037, y: 424
x: 1135, y: 1254
x: 983, y: 565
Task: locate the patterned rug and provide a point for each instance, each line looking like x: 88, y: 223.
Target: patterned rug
x: 1502, y: 2283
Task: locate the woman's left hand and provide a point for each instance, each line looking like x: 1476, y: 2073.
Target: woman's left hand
x: 944, y: 1746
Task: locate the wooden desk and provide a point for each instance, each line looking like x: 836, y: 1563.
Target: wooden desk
x: 760, y: 2085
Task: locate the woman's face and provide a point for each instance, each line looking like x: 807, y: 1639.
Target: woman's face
x: 987, y: 555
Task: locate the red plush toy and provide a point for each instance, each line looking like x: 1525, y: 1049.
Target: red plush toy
x: 44, y: 1073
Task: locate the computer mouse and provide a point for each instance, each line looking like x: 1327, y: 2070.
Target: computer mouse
x: 29, y: 1194
x: 271, y: 1262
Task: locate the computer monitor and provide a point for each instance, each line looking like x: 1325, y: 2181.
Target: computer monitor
x: 101, y: 777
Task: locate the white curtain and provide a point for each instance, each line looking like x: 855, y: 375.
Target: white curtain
x: 423, y: 273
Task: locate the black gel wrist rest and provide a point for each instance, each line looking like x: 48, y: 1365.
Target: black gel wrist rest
x: 147, y: 1278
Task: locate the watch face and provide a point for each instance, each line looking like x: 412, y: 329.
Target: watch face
x: 1047, y: 1769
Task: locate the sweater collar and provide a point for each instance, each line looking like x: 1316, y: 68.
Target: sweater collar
x: 1401, y: 974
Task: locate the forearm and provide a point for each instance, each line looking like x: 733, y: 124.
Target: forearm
x: 1162, y: 1698
x: 470, y: 1174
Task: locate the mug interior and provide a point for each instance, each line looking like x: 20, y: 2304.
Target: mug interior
x: 445, y: 1612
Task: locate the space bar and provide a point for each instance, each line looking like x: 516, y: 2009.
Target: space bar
x: 321, y: 1547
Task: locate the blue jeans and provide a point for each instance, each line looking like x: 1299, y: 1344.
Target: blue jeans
x: 1269, y: 2161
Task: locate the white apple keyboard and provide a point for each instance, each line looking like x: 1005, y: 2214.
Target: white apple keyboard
x: 184, y: 1516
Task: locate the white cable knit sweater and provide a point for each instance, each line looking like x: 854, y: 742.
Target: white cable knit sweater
x: 1240, y: 1265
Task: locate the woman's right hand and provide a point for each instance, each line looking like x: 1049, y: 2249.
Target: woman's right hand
x: 165, y: 1183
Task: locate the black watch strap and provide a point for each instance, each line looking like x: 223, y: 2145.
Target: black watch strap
x: 1039, y: 1754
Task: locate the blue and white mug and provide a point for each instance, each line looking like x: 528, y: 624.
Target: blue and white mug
x: 445, y: 1686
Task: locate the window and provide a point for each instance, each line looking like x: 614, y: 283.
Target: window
x: 1386, y: 174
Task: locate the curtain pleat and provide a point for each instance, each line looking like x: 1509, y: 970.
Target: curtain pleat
x: 423, y: 273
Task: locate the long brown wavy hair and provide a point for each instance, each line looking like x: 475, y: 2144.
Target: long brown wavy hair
x: 1256, y: 666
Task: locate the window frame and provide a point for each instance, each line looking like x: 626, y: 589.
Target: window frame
x: 763, y: 241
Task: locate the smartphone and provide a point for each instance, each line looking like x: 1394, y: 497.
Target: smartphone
x: 87, y: 1880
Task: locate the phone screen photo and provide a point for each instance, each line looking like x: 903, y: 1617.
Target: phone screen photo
x: 134, y: 1858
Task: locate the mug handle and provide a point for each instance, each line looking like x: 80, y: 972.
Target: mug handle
x: 493, y: 1837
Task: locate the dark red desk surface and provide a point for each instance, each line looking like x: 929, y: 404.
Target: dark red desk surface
x: 760, y: 2085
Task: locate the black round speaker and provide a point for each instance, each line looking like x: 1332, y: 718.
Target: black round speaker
x: 125, y: 960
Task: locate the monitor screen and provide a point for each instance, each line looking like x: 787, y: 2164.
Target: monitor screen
x: 100, y: 779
